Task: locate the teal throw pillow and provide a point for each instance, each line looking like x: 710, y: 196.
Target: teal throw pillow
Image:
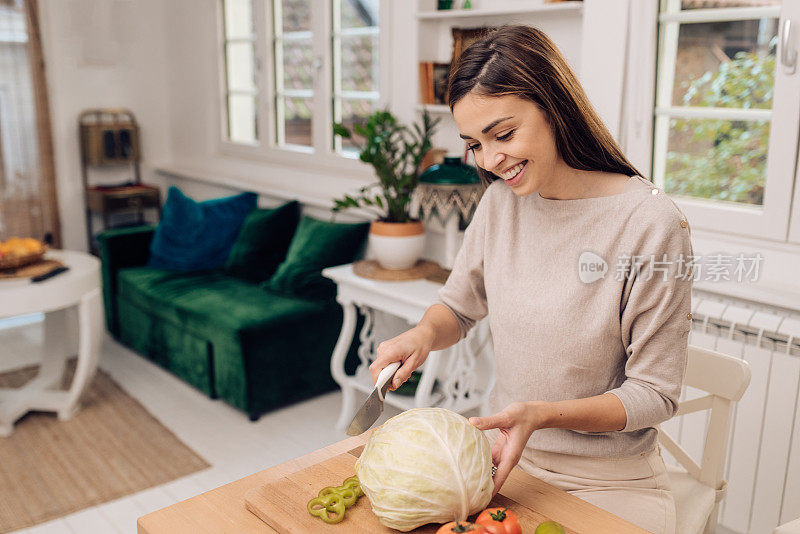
x: 194, y: 236
x: 317, y: 245
x: 263, y: 242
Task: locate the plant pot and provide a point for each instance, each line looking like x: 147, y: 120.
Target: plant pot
x: 397, y: 245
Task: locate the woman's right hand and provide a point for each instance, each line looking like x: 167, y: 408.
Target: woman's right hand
x: 411, y: 348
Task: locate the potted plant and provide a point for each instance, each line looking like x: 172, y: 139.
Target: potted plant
x: 395, y: 152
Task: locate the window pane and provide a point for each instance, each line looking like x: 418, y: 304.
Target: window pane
x: 240, y: 71
x: 360, y: 63
x: 717, y: 159
x: 726, y: 64
x: 296, y: 15
x: 355, y: 111
x: 297, y: 120
x: 706, y: 4
x: 298, y: 72
x: 242, y: 118
x: 240, y: 66
x: 356, y: 66
x: 238, y: 18
x: 359, y: 13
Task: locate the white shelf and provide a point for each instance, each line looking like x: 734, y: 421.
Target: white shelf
x: 571, y: 7
x: 435, y: 109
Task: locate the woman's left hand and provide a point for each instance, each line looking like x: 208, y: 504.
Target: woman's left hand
x: 516, y: 424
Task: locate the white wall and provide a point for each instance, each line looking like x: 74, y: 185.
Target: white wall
x: 194, y: 85
x: 603, y: 51
x: 194, y: 82
x: 159, y: 59
x: 103, y: 53
x: 191, y: 49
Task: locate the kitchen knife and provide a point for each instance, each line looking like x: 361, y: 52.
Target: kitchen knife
x: 373, y: 407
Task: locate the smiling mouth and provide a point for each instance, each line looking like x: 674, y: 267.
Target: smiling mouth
x: 511, y: 173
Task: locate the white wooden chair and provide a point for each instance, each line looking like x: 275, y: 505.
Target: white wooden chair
x: 698, y: 489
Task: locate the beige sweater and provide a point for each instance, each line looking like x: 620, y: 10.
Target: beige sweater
x: 564, y: 330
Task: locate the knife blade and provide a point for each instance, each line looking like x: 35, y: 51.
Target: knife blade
x: 373, y: 406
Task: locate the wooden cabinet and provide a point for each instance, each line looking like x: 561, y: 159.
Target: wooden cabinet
x: 106, y: 201
x: 134, y: 198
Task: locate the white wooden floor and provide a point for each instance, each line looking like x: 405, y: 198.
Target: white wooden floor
x: 225, y: 437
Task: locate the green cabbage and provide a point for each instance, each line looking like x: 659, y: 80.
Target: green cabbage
x: 426, y: 465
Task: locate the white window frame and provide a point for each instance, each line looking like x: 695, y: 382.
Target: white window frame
x: 793, y: 14
x: 222, y: 78
x: 338, y: 94
x: 7, y: 152
x: 322, y: 126
x: 642, y: 116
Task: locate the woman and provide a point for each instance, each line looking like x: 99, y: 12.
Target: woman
x: 579, y: 264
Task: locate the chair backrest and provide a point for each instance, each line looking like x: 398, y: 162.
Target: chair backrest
x: 725, y: 380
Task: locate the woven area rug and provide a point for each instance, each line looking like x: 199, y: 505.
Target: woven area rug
x: 111, y: 448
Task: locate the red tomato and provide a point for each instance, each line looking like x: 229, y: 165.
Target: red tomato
x: 457, y: 526
x: 499, y: 521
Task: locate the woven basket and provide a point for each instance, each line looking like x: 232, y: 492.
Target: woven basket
x: 15, y: 262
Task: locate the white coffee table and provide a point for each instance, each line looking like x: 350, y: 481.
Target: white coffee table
x: 78, y: 287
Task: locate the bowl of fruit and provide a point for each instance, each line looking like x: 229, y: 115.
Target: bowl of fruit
x: 17, y: 252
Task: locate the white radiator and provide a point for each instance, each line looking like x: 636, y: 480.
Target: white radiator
x: 763, y: 470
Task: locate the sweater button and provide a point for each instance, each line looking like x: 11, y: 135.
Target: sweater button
x: 689, y: 316
x: 684, y: 224
x: 654, y: 191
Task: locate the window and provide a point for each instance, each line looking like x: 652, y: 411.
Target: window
x: 726, y: 113
x: 295, y: 66
x: 321, y: 66
x: 241, y: 93
x: 356, y: 72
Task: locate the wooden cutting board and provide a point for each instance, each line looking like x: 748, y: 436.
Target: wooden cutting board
x: 282, y: 504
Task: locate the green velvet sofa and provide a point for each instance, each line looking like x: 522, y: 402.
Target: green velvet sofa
x: 230, y: 338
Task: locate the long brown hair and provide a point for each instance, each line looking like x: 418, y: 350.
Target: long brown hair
x: 524, y: 62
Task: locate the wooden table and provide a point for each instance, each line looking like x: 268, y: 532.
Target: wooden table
x: 222, y: 510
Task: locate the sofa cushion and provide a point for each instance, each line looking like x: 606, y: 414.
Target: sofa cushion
x: 208, y: 301
x: 262, y: 242
x: 197, y: 235
x: 317, y: 245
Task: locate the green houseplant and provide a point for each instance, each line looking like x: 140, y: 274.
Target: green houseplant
x: 395, y: 152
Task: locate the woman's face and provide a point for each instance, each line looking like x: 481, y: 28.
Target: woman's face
x: 509, y: 137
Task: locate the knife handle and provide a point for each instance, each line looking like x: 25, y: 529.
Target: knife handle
x: 387, y: 373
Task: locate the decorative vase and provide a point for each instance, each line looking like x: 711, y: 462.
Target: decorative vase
x: 449, y: 191
x: 397, y: 245
x: 442, y: 5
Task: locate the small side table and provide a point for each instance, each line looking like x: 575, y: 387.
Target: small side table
x: 458, y: 378
x: 80, y: 286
